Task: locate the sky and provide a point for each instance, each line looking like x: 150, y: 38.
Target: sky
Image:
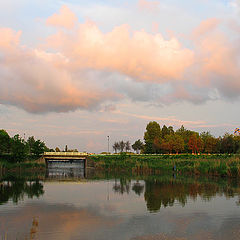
x: 74, y: 72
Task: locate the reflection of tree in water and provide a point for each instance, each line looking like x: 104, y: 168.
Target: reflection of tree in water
x: 165, y: 193
x: 123, y: 186
x: 17, y: 189
x: 138, y: 188
x: 161, y: 193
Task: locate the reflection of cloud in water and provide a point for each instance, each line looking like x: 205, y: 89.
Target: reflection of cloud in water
x: 61, y: 221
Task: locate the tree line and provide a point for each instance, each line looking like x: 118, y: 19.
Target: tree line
x: 16, y: 149
x: 165, y: 140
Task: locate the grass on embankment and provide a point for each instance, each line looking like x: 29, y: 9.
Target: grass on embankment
x: 215, y: 164
x: 22, y: 166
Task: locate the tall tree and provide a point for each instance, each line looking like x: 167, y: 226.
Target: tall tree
x: 169, y: 142
x: 185, y: 134
x: 19, y: 148
x: 195, y: 143
x: 227, y: 143
x: 138, y: 146
x: 122, y: 145
x: 153, y: 131
x: 127, y: 146
x: 115, y: 147
x: 4, y: 142
x: 38, y: 148
x: 30, y: 142
x: 165, y: 131
x: 178, y: 145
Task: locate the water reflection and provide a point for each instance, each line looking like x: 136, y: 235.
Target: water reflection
x: 79, y: 209
x: 65, y: 170
x: 18, y: 189
x: 163, y: 191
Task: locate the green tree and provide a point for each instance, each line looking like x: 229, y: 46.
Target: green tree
x: 209, y: 142
x: 185, y: 134
x: 38, y: 148
x: 19, y: 148
x: 30, y: 143
x: 170, y: 139
x: 236, y: 140
x: 5, y: 142
x: 153, y: 131
x: 165, y: 131
x: 178, y: 145
x: 170, y: 130
x: 227, y: 143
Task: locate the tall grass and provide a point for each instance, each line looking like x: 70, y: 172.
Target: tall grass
x: 215, y: 164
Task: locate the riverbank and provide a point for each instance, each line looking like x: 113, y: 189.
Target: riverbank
x: 214, y: 165
x: 6, y: 167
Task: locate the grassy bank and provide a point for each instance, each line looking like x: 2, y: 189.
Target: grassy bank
x: 215, y: 164
x: 21, y: 167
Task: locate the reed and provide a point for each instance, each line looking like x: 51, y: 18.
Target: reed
x: 215, y: 164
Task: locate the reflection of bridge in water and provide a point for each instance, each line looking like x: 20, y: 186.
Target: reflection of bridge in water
x: 67, y: 165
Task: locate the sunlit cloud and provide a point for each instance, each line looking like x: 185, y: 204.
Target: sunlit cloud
x: 65, y: 18
x: 73, y: 67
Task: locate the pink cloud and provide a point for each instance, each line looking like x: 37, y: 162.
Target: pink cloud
x: 37, y: 82
x: 65, y: 18
x: 138, y: 54
x: 9, y: 38
x: 41, y: 81
x: 206, y: 26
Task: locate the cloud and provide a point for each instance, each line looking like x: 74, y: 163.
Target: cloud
x: 69, y: 220
x: 87, y: 68
x: 37, y: 81
x: 206, y: 26
x: 66, y: 18
x: 138, y: 54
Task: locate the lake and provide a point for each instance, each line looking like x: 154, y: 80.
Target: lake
x: 69, y: 203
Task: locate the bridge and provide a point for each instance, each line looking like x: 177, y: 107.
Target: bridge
x: 70, y: 157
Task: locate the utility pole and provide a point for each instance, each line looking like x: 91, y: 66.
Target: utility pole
x: 108, y: 144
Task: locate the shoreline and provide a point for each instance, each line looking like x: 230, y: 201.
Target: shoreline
x: 221, y: 165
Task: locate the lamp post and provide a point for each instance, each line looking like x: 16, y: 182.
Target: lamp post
x: 108, y: 144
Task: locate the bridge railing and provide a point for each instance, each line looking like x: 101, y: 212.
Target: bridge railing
x: 65, y: 154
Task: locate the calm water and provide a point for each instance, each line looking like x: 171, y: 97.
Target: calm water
x: 68, y: 203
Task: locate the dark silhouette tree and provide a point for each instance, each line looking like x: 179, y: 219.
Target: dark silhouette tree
x: 138, y: 146
x: 127, y: 146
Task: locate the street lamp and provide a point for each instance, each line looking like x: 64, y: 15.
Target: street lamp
x: 108, y: 144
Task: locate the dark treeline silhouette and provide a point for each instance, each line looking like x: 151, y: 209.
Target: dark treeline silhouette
x: 166, y: 140
x: 16, y: 149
